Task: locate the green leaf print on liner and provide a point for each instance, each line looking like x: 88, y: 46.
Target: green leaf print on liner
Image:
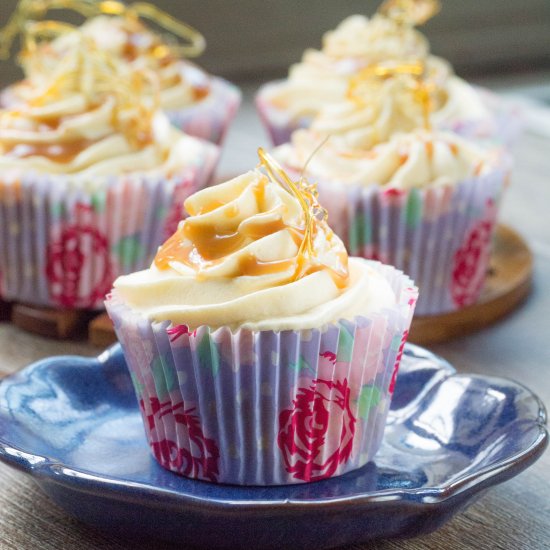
x: 370, y: 397
x: 414, y: 208
x: 359, y: 233
x: 301, y: 364
x: 128, y: 249
x: 165, y: 378
x: 396, y: 343
x: 57, y: 210
x: 98, y: 201
x: 208, y: 354
x: 345, y: 345
x: 138, y: 386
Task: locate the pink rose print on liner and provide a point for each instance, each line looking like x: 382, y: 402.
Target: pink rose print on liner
x: 316, y: 435
x: 200, y: 460
x: 178, y: 331
x: 470, y: 260
x: 66, y: 260
x: 397, y: 362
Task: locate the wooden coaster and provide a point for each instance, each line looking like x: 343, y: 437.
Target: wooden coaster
x: 55, y: 323
x: 101, y: 332
x: 508, y: 283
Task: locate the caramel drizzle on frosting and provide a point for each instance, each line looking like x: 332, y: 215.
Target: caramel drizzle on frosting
x: 93, y: 73
x: 192, y: 45
x: 418, y: 84
x: 198, y: 246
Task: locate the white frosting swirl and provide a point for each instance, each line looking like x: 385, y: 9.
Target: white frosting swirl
x: 92, y: 117
x: 83, y: 140
x: 126, y: 39
x: 322, y: 78
x: 408, y: 160
x: 233, y: 263
x: 375, y: 40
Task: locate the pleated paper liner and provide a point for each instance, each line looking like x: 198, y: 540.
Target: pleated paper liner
x: 63, y: 243
x: 266, y: 407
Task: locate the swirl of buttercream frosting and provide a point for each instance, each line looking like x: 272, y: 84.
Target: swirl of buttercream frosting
x: 238, y: 260
x: 322, y: 77
x: 124, y: 39
x: 417, y: 159
x: 93, y: 116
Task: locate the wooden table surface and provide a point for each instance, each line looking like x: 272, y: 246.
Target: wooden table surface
x: 511, y: 516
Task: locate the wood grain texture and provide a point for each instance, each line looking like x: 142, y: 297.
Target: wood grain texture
x: 512, y: 516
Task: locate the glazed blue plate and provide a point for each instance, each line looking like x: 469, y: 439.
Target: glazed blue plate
x: 73, y: 424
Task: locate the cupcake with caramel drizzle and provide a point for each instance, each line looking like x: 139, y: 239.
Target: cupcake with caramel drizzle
x: 255, y: 252
x: 251, y: 310
x: 396, y: 188
x: 118, y: 31
x: 92, y: 177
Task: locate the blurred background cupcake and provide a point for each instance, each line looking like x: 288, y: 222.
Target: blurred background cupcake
x: 421, y: 199
x: 260, y: 353
x: 199, y: 104
x: 389, y: 38
x: 92, y: 176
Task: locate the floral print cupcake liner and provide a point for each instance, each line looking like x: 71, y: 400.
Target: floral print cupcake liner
x: 209, y: 118
x: 62, y: 245
x: 266, y: 407
x: 441, y: 236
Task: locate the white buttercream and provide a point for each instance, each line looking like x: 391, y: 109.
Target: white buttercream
x: 322, y: 78
x: 408, y: 160
x: 127, y: 40
x: 215, y: 292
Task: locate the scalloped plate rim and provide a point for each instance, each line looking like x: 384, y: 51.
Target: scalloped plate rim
x: 48, y: 469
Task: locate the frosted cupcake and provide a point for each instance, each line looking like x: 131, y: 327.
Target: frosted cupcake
x: 92, y: 179
x: 199, y: 104
x: 260, y: 353
x: 424, y: 201
x: 388, y: 39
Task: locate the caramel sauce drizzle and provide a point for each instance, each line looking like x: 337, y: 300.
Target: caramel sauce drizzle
x: 418, y: 84
x: 197, y: 245
x: 58, y: 152
x: 192, y: 41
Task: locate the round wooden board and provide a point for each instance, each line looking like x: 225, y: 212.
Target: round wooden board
x: 508, y: 283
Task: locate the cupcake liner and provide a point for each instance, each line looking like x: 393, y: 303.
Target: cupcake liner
x: 209, y: 118
x: 266, y: 407
x: 278, y: 122
x: 441, y: 236
x: 64, y: 242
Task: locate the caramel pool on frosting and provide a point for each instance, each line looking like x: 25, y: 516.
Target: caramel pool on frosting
x: 217, y: 229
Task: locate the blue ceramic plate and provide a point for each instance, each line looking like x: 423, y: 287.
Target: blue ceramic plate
x: 74, y: 425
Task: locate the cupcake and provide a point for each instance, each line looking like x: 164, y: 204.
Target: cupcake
x: 260, y: 353
x: 389, y: 39
x: 92, y: 179
x: 424, y: 201
x: 197, y: 103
